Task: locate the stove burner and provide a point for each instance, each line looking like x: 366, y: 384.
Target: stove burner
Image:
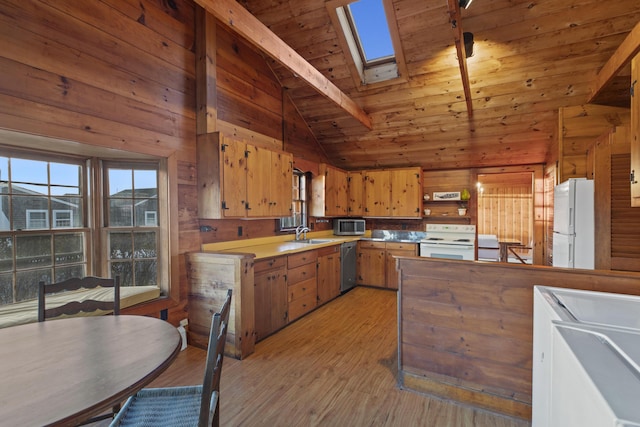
x: 462, y: 240
x: 435, y: 238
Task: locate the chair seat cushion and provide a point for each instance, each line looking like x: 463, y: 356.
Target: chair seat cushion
x: 156, y: 407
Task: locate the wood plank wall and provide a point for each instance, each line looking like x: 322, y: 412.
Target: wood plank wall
x: 578, y: 127
x: 625, y: 220
x: 466, y: 328
x: 121, y: 74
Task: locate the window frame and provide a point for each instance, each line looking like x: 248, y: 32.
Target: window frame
x: 376, y: 73
x: 27, y: 146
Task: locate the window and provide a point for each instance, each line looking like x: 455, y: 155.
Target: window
x: 299, y: 205
x: 33, y: 190
x: 131, y: 194
x: 50, y: 230
x: 369, y: 36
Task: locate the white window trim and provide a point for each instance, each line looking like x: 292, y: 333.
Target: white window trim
x: 29, y: 220
x: 56, y: 212
x: 151, y: 218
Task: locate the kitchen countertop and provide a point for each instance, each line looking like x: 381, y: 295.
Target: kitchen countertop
x: 267, y: 247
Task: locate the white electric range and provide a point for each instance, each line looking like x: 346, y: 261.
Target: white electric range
x: 451, y: 241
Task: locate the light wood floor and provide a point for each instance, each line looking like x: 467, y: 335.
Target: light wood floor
x: 335, y: 367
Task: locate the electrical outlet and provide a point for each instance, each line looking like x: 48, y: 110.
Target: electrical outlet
x: 184, y: 322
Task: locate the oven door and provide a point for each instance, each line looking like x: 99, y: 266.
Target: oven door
x: 447, y: 251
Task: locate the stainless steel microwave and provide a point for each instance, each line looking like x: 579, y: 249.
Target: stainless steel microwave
x: 348, y: 227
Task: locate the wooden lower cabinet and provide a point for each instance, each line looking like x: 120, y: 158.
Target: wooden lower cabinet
x: 397, y: 249
x: 328, y: 273
x: 376, y: 265
x: 270, y: 294
x: 370, y: 264
x: 302, y: 284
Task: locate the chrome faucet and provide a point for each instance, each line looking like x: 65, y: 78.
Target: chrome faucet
x: 301, y: 229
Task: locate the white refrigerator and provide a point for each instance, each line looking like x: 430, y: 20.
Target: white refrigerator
x: 573, y: 224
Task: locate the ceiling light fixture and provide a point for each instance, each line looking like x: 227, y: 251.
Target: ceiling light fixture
x: 465, y: 3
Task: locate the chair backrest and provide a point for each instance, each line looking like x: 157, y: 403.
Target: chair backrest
x: 74, y: 307
x: 210, y: 403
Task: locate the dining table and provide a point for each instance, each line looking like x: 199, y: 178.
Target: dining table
x: 64, y: 371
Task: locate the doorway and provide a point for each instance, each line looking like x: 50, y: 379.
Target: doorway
x: 506, y: 210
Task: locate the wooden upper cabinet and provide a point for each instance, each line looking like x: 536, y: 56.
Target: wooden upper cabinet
x: 377, y: 193
x: 406, y: 192
x: 234, y: 179
x: 393, y: 193
x: 330, y: 197
x: 355, y: 205
x: 240, y: 180
x: 635, y: 131
x: 281, y: 188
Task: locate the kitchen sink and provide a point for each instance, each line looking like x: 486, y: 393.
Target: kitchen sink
x: 314, y: 241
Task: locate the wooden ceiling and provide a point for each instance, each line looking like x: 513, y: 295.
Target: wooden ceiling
x: 530, y: 58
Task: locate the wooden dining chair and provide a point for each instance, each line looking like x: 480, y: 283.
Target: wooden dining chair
x: 184, y: 406
x: 74, y: 307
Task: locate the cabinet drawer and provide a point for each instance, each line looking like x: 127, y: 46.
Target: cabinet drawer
x: 403, y: 246
x: 302, y: 289
x: 268, y: 264
x: 298, y: 274
x: 328, y: 250
x: 301, y: 306
x: 368, y: 244
x: 302, y: 258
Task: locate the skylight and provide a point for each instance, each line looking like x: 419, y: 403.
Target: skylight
x: 369, y: 33
x: 371, y: 30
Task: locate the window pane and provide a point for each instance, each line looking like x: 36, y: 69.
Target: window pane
x: 146, y: 273
x: 29, y: 171
x: 33, y: 251
x: 64, y: 273
x: 120, y: 246
x: 6, y: 254
x: 6, y: 288
x: 120, y: 180
x: 145, y: 245
x: 27, y: 283
x: 145, y: 208
x: 372, y: 28
x: 120, y: 213
x: 67, y: 212
x: 124, y: 270
x: 69, y: 248
x: 145, y: 179
x: 66, y: 175
x: 5, y: 220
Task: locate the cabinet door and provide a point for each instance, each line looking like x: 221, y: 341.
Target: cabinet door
x: 279, y: 303
x: 397, y: 249
x: 281, y: 196
x: 336, y: 192
x: 406, y: 192
x: 329, y: 275
x: 377, y: 193
x: 258, y: 181
x: 262, y: 304
x: 371, y: 264
x: 635, y: 132
x: 356, y: 193
x: 234, y: 179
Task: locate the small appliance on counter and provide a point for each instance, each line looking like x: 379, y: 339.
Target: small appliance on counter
x: 348, y: 227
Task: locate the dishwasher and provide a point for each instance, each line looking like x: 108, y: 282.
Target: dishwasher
x: 347, y: 266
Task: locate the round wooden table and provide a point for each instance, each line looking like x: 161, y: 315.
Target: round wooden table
x: 61, y: 372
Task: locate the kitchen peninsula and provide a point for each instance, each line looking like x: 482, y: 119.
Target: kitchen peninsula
x: 465, y: 328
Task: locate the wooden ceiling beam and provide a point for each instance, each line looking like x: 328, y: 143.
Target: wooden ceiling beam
x: 456, y: 27
x: 629, y: 48
x: 239, y: 20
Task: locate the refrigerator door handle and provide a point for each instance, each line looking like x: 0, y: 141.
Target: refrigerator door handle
x: 571, y: 262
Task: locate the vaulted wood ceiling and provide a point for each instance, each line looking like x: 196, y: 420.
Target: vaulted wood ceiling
x: 530, y: 58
